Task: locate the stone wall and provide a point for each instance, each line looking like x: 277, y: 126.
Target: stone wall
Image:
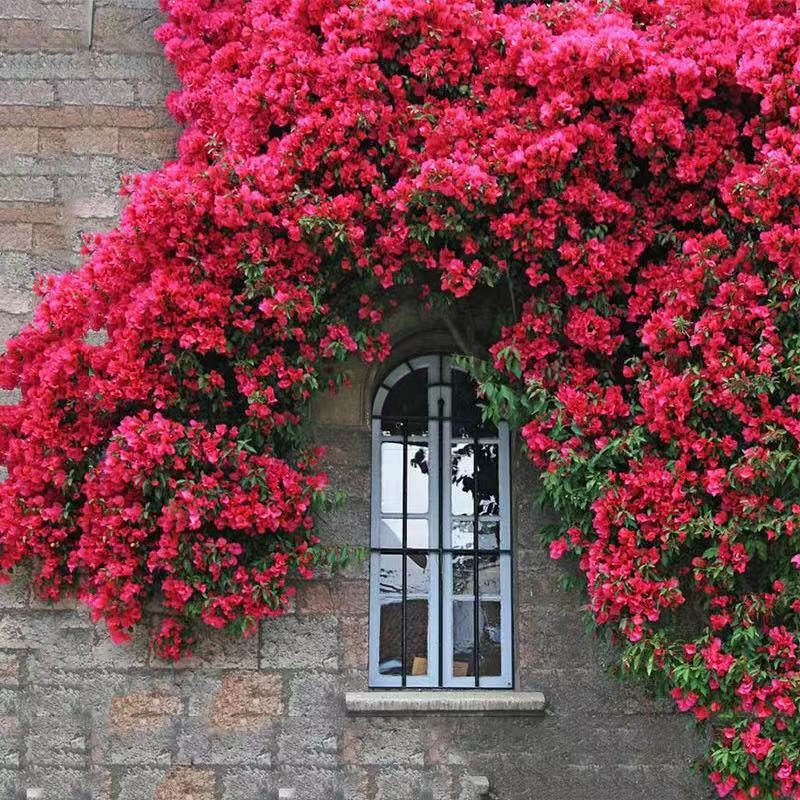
x: 258, y: 719
x: 73, y: 118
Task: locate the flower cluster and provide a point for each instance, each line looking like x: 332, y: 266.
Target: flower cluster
x: 619, y: 181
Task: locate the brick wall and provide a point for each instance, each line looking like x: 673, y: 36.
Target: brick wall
x: 81, y: 719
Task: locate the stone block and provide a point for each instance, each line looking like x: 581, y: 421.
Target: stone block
x: 16, y: 188
x: 310, y: 783
x: 401, y: 784
x: 26, y: 93
x: 198, y: 743
x: 20, y: 140
x: 143, y: 711
x: 16, y: 235
x: 95, y: 92
x: 79, y: 141
x: 305, y: 742
x: 294, y: 642
x: 10, y: 668
x: 153, y: 143
x: 316, y: 695
x: 64, y: 783
x: 187, y: 783
x: 248, y: 784
x: 154, y: 747
x: 57, y: 741
x: 138, y: 783
x: 474, y: 787
x: 355, y: 641
x: 384, y: 743
x: 45, y: 66
x: 11, y: 742
x: 245, y: 700
x: 122, y: 30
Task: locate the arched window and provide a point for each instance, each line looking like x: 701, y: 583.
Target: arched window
x: 440, y: 570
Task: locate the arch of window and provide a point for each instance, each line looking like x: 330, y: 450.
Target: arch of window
x: 440, y: 565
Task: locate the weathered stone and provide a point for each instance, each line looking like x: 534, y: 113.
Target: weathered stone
x: 355, y: 638
x: 199, y: 743
x: 187, y: 783
x: 245, y: 700
x: 305, y: 742
x: 143, y: 711
x: 292, y: 641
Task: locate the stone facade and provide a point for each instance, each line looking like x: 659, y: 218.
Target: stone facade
x: 265, y: 718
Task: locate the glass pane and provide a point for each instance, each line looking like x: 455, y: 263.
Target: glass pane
x: 407, y: 400
x: 417, y: 479
x: 392, y: 533
x: 391, y: 614
x: 418, y: 574
x: 490, y: 651
x: 488, y: 534
x: 462, y: 481
x: 463, y: 534
x: 417, y: 637
x: 391, y: 574
x: 489, y: 575
x: 463, y: 626
x: 488, y: 495
x: 390, y: 645
x: 463, y: 575
x: 467, y: 414
x: 392, y: 478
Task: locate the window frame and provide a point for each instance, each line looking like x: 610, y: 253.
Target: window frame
x: 440, y: 549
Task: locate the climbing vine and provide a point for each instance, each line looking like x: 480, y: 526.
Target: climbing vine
x: 618, y: 180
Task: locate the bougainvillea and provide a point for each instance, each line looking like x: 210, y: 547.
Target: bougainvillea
x: 619, y: 180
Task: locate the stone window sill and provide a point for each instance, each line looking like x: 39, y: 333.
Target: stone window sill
x: 426, y: 701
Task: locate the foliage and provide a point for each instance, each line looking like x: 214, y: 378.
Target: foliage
x: 623, y: 175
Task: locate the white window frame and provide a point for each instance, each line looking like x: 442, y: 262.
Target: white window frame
x: 440, y: 614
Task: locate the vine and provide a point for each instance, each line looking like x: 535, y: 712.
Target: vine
x: 618, y: 180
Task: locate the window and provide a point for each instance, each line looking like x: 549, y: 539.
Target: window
x: 440, y: 568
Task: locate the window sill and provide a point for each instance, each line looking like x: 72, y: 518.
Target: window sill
x: 426, y: 701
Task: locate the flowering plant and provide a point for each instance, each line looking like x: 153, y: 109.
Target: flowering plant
x: 620, y: 178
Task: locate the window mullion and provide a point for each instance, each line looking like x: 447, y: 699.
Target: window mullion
x: 476, y: 646
x: 403, y: 564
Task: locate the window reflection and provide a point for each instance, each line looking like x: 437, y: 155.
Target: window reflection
x: 465, y: 473
x: 416, y: 476
x: 407, y: 402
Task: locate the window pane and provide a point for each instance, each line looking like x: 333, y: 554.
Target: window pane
x: 418, y: 574
x: 489, y: 575
x: 490, y: 630
x: 462, y: 480
x: 392, y: 478
x: 407, y: 400
x: 463, y: 575
x: 391, y: 574
x: 418, y: 467
x: 463, y: 649
x: 390, y: 644
x: 467, y: 413
x: 418, y: 577
x: 391, y: 614
x: 488, y: 495
x: 392, y: 533
x: 488, y: 534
